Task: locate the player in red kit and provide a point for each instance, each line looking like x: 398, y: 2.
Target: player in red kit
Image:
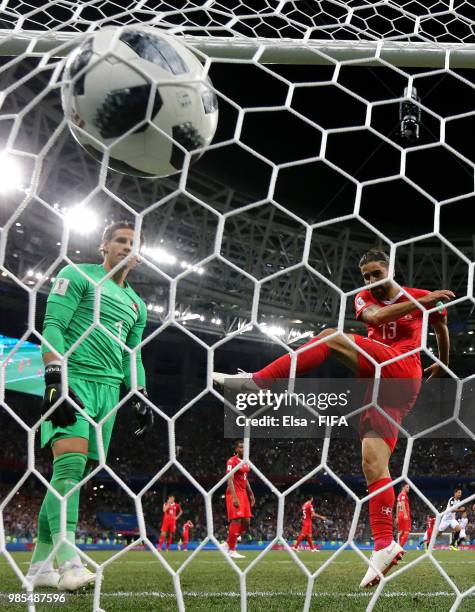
x: 185, y: 534
x: 308, y: 514
x: 403, y: 515
x: 394, y: 326
x: 239, y: 500
x: 429, y: 529
x: 171, y: 513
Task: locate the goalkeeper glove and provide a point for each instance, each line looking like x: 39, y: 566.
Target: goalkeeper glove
x: 143, y: 413
x: 64, y: 414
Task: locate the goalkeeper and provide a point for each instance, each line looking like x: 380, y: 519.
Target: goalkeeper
x: 96, y: 368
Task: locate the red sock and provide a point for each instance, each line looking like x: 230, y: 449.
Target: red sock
x: 306, y: 361
x: 234, y: 531
x: 381, y: 513
x: 403, y: 537
x: 299, y: 540
x: 310, y: 543
x: 160, y: 542
x: 169, y: 541
x: 243, y: 529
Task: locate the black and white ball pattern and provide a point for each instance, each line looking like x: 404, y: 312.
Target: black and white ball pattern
x: 143, y: 96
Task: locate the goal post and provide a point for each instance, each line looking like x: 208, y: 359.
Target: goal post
x: 188, y: 221
x: 272, y: 50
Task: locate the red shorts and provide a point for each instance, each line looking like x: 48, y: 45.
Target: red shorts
x: 408, y: 369
x: 403, y: 524
x: 306, y: 529
x: 244, y: 508
x: 168, y: 525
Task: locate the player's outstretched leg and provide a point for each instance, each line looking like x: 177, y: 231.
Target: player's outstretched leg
x: 306, y: 361
x: 387, y: 552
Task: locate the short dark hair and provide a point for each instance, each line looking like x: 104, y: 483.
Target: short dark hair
x: 374, y: 255
x: 110, y: 229
x: 238, y: 441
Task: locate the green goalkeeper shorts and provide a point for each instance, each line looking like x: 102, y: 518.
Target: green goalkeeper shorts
x: 99, y: 400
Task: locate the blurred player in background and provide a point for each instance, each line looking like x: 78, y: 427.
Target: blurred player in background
x: 239, y: 500
x: 394, y: 329
x: 403, y: 515
x: 449, y: 519
x: 95, y: 370
x: 430, y: 522
x: 171, y: 513
x: 463, y: 527
x: 185, y: 535
x: 308, y: 515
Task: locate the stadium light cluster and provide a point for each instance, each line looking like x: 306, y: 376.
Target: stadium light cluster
x: 10, y: 174
x: 80, y: 219
x: 161, y: 256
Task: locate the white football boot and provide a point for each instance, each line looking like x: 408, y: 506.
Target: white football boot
x: 235, y: 555
x: 74, y: 577
x: 224, y: 547
x: 48, y: 577
x: 235, y: 382
x: 381, y: 562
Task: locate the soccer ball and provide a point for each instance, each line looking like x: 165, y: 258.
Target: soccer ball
x: 144, y: 95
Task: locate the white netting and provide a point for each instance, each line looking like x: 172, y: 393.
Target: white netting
x: 265, y: 256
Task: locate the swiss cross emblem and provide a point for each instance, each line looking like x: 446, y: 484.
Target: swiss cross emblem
x: 386, y: 510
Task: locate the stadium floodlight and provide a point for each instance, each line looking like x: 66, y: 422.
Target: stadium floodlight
x: 159, y: 255
x: 191, y: 317
x: 81, y: 219
x: 10, y: 174
x: 274, y: 330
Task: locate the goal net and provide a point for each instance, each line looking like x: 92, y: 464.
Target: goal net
x: 343, y: 126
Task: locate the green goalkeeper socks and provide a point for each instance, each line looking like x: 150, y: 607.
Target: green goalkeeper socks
x: 44, y: 542
x: 68, y: 470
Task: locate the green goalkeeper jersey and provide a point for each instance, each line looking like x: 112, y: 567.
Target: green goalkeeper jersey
x: 70, y: 313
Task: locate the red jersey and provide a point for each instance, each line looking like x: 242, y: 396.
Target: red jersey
x: 403, y: 499
x: 430, y: 523
x: 186, y: 530
x: 240, y: 475
x: 404, y: 334
x: 307, y: 511
x: 172, y: 510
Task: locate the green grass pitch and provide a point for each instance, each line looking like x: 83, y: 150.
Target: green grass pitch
x: 137, y: 581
